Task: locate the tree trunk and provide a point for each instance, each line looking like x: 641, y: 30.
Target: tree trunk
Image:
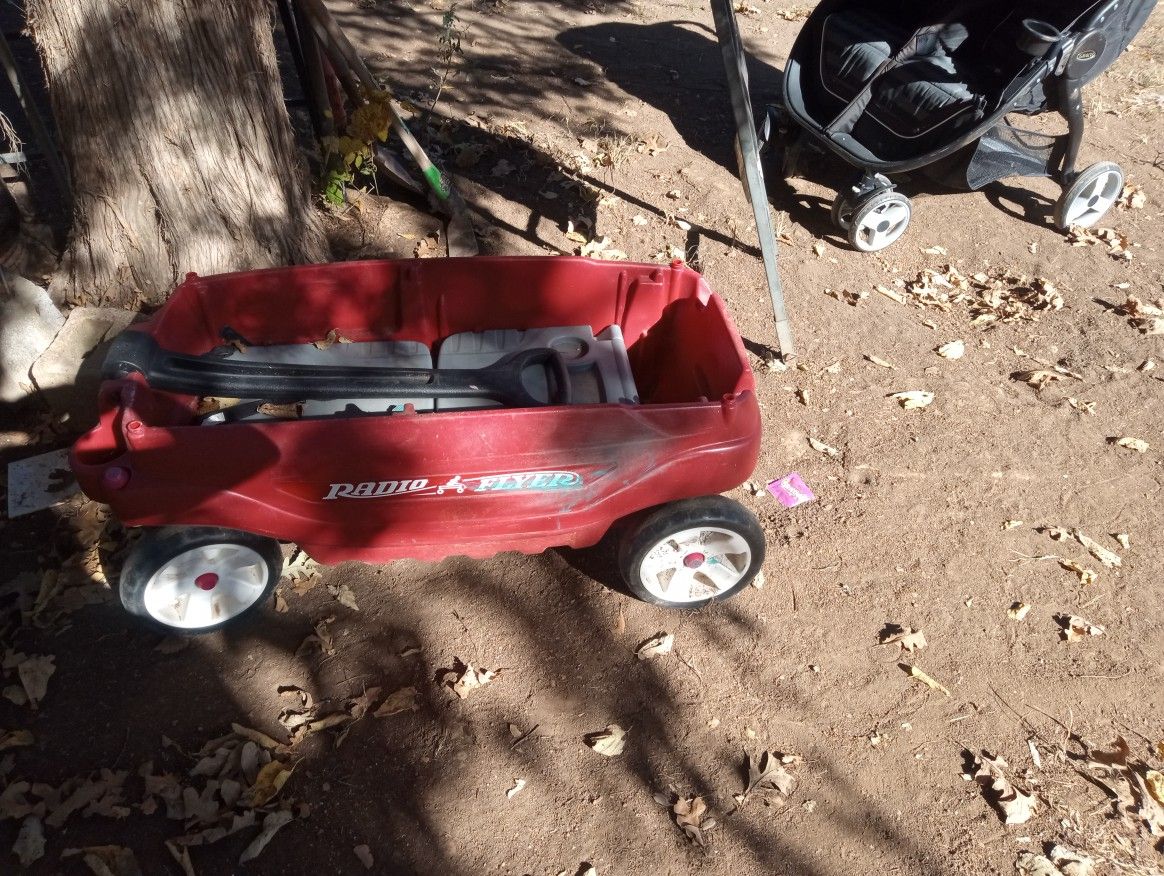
x: 181, y: 151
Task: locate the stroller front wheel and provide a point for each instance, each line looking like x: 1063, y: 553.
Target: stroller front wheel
x: 1091, y: 194
x: 876, y: 220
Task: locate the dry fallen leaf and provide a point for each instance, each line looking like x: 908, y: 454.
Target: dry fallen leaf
x: 609, y: 742
x: 259, y: 738
x: 928, y: 681
x: 15, y: 739
x: 891, y: 294
x: 880, y: 363
x: 333, y: 337
x: 270, y: 781
x: 1071, y: 862
x: 271, y: 825
x: 656, y: 646
x: 34, y: 673
x: 29, y: 845
x: 914, y: 398
x: 468, y: 679
x: 1011, y: 524
x: 1132, y: 444
x: 1109, y: 558
x: 952, y: 350
x: 344, y: 596
x: 518, y: 784
x: 768, y: 773
x: 1038, y: 379
x: 689, y: 814
x: 403, y: 700
x: 821, y: 447
x: 289, y: 411
x: 1018, y: 611
x: 107, y: 860
x: 1087, y: 577
x: 909, y: 639
x: 1075, y: 628
x: 364, y: 853
x: 1154, y: 781
x: 1132, y: 197
x: 1015, y: 805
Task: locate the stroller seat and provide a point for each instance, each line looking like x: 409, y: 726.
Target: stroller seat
x: 917, y: 97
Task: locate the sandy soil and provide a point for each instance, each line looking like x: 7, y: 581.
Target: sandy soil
x: 619, y: 111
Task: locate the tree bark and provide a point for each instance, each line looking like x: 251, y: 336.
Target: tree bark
x: 179, y: 145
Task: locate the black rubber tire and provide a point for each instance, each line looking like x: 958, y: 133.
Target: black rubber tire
x: 869, y: 204
x: 1081, y: 181
x: 842, y: 213
x: 157, y: 546
x: 688, y: 514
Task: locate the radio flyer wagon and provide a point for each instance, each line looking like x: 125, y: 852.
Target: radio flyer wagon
x: 423, y: 409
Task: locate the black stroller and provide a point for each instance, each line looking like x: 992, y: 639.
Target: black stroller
x: 893, y: 86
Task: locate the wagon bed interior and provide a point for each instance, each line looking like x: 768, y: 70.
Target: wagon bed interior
x: 679, y: 341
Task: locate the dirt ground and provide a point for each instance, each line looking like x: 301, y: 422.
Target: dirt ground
x: 614, y: 117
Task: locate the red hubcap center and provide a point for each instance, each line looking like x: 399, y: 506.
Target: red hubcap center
x: 694, y: 560
x: 206, y: 581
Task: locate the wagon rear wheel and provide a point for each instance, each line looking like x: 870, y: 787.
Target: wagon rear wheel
x: 689, y: 553
x: 199, y: 578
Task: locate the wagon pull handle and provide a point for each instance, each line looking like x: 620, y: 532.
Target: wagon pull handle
x: 213, y: 375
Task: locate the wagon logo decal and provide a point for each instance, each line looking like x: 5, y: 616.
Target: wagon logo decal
x: 518, y: 481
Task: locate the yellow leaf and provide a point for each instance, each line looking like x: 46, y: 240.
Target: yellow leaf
x: 1155, y: 782
x: 270, y: 780
x: 928, y: 681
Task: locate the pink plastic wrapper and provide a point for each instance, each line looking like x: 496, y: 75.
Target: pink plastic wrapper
x: 791, y: 490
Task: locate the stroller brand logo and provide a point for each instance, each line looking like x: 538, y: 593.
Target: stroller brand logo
x: 519, y: 481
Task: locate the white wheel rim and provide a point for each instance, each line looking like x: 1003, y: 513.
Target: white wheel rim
x: 882, y: 225
x: 695, y: 564
x: 1093, y: 199
x: 206, y: 586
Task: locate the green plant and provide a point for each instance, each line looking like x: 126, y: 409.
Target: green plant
x: 348, y: 156
x: 450, y: 47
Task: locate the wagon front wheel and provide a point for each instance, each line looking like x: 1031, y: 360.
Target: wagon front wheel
x: 689, y: 553
x: 196, y: 579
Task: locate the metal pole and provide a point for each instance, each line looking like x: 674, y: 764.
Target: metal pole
x: 748, y: 156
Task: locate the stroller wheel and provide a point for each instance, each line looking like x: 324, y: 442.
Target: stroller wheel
x: 842, y: 213
x: 876, y: 220
x: 1090, y: 196
x: 689, y: 553
x: 194, y: 579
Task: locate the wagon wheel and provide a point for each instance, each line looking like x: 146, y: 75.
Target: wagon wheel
x: 196, y: 579
x: 689, y: 553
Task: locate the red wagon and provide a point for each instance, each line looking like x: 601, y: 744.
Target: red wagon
x: 426, y: 408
